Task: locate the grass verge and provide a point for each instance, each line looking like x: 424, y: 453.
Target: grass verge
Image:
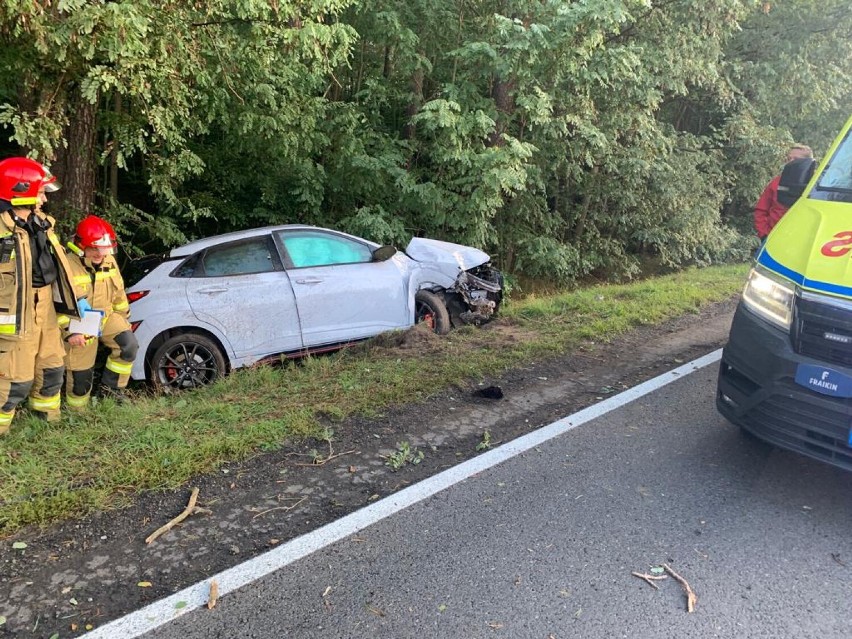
x: 100, y: 459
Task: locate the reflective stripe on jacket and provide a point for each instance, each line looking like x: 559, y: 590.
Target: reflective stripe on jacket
x: 16, y: 285
x: 101, y: 285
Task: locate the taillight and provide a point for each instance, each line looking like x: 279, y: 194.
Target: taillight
x: 136, y: 295
x: 135, y: 325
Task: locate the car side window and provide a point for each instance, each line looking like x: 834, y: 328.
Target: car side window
x: 238, y: 258
x: 309, y: 248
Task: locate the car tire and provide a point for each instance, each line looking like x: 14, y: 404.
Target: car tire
x: 187, y: 360
x: 430, y: 308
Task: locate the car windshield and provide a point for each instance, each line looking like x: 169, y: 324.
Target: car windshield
x: 835, y: 183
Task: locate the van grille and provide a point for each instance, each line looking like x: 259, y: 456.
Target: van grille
x: 823, y: 332
x: 816, y: 426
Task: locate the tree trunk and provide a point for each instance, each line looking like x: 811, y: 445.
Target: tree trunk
x: 113, y: 156
x: 414, y: 103
x: 75, y: 165
x: 502, y: 94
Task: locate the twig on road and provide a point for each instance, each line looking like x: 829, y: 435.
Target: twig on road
x: 214, y: 595
x: 268, y: 510
x: 649, y: 578
x: 186, y: 513
x: 324, y: 460
x: 691, y: 599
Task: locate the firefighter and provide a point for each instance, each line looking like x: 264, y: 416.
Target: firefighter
x: 96, y: 275
x: 34, y: 275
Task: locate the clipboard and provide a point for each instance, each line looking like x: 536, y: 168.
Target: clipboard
x: 90, y: 324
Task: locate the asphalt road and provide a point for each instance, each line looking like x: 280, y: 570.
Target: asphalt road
x: 543, y: 545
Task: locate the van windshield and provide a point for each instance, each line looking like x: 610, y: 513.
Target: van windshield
x: 835, y: 183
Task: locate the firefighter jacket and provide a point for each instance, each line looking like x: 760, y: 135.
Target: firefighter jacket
x: 101, y: 285
x: 17, y: 300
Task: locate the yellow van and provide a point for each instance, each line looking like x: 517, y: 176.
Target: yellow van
x: 786, y: 372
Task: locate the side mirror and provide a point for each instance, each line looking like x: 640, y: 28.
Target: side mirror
x: 384, y: 253
x: 794, y: 179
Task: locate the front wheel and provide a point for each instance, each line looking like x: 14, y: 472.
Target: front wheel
x: 430, y: 309
x: 188, y: 360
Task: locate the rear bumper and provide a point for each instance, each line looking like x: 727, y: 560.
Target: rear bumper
x: 757, y: 390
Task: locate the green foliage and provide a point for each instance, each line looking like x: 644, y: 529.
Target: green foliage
x: 565, y: 138
x: 404, y: 455
x: 485, y: 443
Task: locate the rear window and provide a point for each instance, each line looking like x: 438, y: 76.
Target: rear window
x: 139, y: 267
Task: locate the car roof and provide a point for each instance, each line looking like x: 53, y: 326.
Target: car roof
x: 197, y: 245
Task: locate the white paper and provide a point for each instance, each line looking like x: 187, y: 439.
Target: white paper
x: 89, y: 325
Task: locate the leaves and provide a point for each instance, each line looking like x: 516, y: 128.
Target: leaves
x: 564, y: 138
x: 19, y: 545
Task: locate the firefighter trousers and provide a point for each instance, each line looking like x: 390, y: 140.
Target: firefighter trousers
x: 32, y: 365
x: 117, y: 336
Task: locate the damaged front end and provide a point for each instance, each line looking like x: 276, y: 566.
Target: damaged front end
x: 472, y: 289
x: 481, y: 291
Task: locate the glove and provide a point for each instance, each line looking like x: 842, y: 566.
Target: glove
x: 83, y: 305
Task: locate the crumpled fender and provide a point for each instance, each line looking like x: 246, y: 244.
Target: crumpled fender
x: 427, y: 277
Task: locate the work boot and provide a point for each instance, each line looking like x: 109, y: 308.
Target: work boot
x: 116, y: 394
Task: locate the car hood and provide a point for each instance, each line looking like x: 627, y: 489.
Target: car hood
x: 812, y: 246
x: 445, y: 254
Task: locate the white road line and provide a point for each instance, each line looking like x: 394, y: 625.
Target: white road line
x: 161, y: 612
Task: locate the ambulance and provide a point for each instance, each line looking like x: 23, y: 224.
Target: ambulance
x: 786, y: 372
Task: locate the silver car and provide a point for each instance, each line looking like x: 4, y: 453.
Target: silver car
x: 228, y: 301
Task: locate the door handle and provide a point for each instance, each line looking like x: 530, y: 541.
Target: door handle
x: 213, y: 289
x: 309, y: 280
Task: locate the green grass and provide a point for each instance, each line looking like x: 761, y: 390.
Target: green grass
x: 100, y: 459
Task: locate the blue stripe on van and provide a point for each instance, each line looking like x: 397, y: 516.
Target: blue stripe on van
x: 767, y: 260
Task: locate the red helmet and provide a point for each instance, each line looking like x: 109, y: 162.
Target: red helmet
x: 93, y: 232
x: 22, y: 178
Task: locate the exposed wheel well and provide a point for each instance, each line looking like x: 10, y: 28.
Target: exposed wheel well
x: 180, y: 330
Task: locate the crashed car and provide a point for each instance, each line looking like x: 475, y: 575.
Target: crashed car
x: 228, y: 301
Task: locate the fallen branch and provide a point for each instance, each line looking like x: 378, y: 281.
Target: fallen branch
x: 186, y: 513
x: 650, y: 579
x: 214, y: 595
x: 322, y: 460
x: 285, y: 508
x: 691, y: 599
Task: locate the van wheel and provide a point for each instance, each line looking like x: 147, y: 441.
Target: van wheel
x: 188, y: 360
x: 430, y: 309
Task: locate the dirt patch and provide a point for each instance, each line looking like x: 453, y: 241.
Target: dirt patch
x: 89, y: 571
x: 419, y: 338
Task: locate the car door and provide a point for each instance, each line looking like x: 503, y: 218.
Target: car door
x: 341, y: 293
x: 242, y: 288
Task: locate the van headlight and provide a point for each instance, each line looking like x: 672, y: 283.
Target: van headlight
x: 770, y: 298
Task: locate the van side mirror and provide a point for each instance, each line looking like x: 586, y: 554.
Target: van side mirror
x: 794, y: 178
x: 384, y: 253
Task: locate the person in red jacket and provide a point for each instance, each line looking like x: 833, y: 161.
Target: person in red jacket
x: 768, y: 209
